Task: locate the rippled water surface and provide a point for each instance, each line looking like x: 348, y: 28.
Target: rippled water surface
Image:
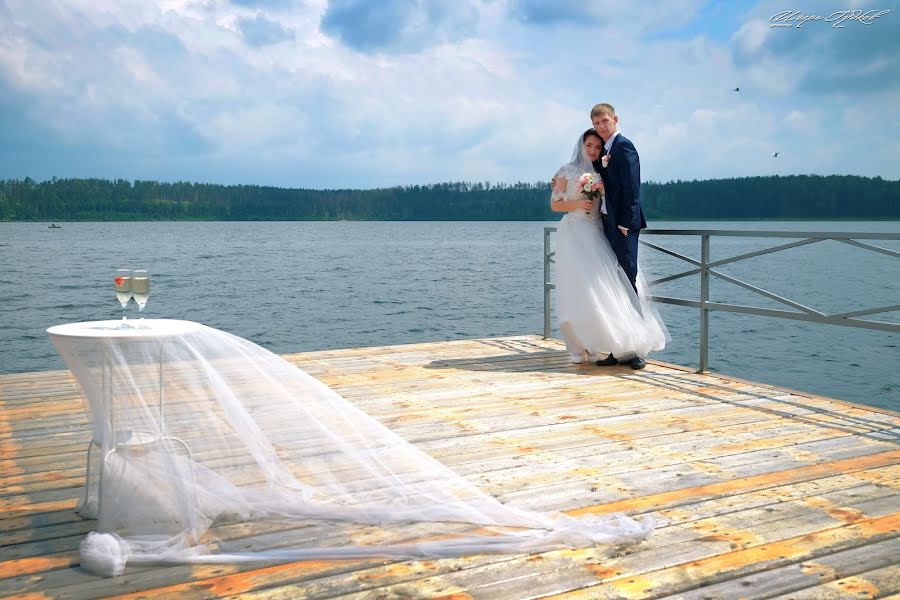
x: 295, y: 286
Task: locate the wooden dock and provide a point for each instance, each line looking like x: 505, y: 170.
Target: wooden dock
x: 758, y: 492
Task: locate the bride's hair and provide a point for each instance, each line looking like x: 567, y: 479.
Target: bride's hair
x: 579, y: 156
x: 590, y: 132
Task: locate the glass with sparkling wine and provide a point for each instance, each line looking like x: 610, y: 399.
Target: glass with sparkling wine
x: 123, y: 291
x: 140, y: 289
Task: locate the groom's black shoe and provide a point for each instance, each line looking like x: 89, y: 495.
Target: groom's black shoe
x: 638, y: 363
x: 608, y: 361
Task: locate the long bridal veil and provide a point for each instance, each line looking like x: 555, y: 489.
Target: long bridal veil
x: 209, y: 448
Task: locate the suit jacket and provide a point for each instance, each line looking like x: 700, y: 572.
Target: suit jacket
x: 622, y: 182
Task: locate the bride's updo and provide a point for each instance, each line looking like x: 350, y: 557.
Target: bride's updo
x: 590, y: 132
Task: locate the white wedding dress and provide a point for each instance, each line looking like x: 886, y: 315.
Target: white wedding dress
x: 597, y: 309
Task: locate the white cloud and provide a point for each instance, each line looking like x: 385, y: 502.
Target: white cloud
x: 801, y: 122
x: 751, y: 37
x: 174, y: 90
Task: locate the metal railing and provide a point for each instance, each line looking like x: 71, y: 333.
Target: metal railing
x: 706, y: 268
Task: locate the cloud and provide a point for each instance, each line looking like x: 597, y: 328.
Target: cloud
x: 750, y: 40
x: 260, y: 31
x: 824, y: 59
x: 399, y: 25
x: 433, y: 91
x: 653, y: 15
x: 866, y: 60
x: 276, y: 4
x: 802, y: 122
x: 542, y: 12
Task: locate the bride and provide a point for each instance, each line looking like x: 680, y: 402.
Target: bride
x: 598, y: 310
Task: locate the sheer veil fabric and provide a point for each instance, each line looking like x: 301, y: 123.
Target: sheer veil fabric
x: 210, y: 449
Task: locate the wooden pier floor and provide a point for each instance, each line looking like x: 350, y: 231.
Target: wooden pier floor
x: 758, y: 492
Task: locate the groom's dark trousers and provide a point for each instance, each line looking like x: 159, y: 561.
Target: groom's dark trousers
x: 625, y: 248
x: 622, y: 183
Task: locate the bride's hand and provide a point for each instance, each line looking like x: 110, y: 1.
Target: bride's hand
x: 586, y: 205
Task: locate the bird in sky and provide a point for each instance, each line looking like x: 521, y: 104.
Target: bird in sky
x: 775, y: 155
x: 737, y: 89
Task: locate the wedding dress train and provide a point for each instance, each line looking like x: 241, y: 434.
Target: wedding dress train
x: 242, y: 437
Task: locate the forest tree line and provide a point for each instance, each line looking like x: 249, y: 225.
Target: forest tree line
x: 770, y: 197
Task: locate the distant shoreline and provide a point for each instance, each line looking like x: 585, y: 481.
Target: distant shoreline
x: 649, y: 220
x: 764, y: 198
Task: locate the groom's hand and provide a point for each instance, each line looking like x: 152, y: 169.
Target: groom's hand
x: 624, y: 230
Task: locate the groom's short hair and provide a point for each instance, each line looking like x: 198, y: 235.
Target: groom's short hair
x: 603, y: 108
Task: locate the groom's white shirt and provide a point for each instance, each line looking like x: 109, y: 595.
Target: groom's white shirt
x: 609, y: 142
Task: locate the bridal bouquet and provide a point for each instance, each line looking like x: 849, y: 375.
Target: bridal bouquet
x: 591, y: 186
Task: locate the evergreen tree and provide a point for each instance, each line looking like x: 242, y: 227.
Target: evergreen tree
x: 773, y: 197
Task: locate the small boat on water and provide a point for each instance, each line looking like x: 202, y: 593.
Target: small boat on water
x: 55, y: 226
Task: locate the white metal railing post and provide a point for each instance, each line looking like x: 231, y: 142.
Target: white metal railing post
x: 704, y: 304
x: 547, y: 285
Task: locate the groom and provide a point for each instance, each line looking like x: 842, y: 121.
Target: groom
x: 623, y: 218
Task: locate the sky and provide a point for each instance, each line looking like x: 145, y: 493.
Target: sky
x: 377, y: 93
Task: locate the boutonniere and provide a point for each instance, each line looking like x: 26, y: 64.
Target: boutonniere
x: 604, y: 160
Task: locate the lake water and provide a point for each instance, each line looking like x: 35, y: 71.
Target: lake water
x: 298, y: 286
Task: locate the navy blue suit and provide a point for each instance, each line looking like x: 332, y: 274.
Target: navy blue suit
x: 622, y: 182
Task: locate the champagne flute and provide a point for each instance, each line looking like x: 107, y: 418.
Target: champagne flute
x: 123, y: 291
x: 140, y: 288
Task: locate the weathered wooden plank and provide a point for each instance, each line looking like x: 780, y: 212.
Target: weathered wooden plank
x: 74, y: 583
x: 803, y: 575
x: 877, y: 583
x: 781, y: 551
x: 627, y: 492
x: 786, y: 517
x: 645, y: 408
x: 652, y: 479
x: 843, y: 486
x: 33, y: 522
x: 750, y: 459
x: 855, y: 487
x: 569, y: 574
x: 51, y: 467
x: 524, y: 573
x: 727, y: 466
x: 551, y: 421
x: 680, y: 496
